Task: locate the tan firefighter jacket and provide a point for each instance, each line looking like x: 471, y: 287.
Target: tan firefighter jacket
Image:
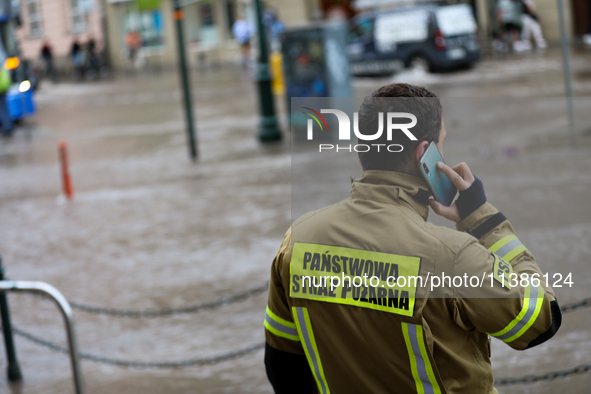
x: 382, y: 331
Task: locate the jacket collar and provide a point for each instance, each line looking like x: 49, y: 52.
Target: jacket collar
x: 392, y: 187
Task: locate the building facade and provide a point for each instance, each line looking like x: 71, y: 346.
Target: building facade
x: 207, y: 28
x: 207, y: 25
x: 58, y: 22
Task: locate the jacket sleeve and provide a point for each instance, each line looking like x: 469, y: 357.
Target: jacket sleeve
x: 511, y: 305
x: 285, y: 361
x: 280, y: 329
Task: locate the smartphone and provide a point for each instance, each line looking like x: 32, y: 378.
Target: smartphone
x: 443, y: 190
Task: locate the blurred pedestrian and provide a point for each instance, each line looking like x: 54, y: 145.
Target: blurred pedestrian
x: 5, y: 83
x: 47, y: 56
x: 531, y: 25
x: 92, y: 63
x: 133, y: 42
x: 274, y: 27
x: 77, y: 58
x: 508, y: 13
x: 243, y: 31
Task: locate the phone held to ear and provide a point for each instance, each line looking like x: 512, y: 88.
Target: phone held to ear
x: 443, y: 190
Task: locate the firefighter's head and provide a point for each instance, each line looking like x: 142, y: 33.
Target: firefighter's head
x: 400, y: 97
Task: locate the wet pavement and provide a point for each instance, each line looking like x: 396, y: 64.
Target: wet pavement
x: 148, y: 229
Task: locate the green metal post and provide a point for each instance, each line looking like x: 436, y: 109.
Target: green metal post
x: 567, y: 77
x: 14, y: 371
x: 178, y: 16
x: 269, y: 128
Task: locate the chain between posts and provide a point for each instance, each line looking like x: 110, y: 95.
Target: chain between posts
x: 566, y: 308
x: 172, y: 311
x: 142, y: 364
x: 547, y: 376
x: 585, y: 302
x: 253, y: 348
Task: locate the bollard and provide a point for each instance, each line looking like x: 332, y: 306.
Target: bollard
x: 14, y: 371
x: 66, y: 180
x: 278, y: 82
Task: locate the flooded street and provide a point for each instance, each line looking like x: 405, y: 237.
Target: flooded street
x: 149, y: 230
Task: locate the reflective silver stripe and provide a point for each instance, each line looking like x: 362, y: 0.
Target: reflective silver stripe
x: 531, y: 308
x: 508, y: 247
x: 280, y: 327
x: 421, y: 368
x: 312, y: 354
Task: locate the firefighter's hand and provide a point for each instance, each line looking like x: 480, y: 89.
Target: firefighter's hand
x: 461, y: 176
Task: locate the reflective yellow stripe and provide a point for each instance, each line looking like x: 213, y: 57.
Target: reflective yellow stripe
x: 302, y: 319
x: 515, y: 252
x: 508, y: 247
x: 420, y: 365
x: 532, y: 320
x: 526, y: 317
x: 280, y: 327
x: 501, y: 242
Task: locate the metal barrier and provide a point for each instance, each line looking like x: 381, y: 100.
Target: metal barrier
x: 13, y: 369
x: 64, y: 305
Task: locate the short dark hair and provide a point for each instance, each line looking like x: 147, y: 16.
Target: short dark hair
x: 416, y: 100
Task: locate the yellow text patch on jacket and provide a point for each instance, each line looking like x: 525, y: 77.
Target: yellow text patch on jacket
x: 366, y: 279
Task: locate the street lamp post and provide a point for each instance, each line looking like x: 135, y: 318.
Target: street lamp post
x: 567, y: 77
x: 186, y: 84
x: 269, y: 128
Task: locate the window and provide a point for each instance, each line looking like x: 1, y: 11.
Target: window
x: 201, y: 26
x: 230, y: 16
x: 78, y: 9
x: 208, y: 32
x: 147, y: 24
x: 34, y: 10
x: 404, y: 26
x: 456, y: 19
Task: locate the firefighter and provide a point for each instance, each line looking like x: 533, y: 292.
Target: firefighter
x: 356, y: 301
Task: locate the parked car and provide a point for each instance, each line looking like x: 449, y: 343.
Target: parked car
x: 430, y: 37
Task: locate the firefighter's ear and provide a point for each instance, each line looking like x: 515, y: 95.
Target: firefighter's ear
x: 420, y: 151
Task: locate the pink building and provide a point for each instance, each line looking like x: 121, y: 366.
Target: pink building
x: 59, y: 22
